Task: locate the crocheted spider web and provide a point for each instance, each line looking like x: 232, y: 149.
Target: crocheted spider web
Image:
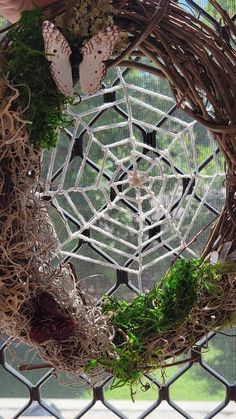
x: 133, y: 179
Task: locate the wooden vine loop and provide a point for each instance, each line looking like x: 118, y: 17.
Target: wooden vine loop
x: 43, y: 305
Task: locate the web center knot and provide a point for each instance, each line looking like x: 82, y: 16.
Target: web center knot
x: 137, y: 179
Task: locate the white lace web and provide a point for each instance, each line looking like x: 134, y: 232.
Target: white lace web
x: 121, y: 201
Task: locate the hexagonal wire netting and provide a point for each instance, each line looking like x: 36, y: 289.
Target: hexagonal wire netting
x: 130, y: 183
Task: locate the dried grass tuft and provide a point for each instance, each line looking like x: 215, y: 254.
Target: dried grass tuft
x: 40, y: 304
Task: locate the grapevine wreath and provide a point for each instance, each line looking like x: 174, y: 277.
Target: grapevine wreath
x: 45, y: 306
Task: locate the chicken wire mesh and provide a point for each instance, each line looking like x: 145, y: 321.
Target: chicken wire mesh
x: 131, y: 182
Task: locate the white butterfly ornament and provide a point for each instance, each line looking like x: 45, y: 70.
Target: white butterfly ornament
x: 98, y: 49
x: 92, y: 68
x: 58, y: 52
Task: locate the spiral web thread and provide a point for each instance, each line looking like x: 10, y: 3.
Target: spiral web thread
x: 150, y: 197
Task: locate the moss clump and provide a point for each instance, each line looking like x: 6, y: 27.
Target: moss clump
x: 29, y: 70
x: 166, y: 307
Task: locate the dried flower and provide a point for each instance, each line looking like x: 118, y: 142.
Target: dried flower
x: 47, y: 306
x: 64, y: 328
x: 88, y: 17
x: 42, y: 330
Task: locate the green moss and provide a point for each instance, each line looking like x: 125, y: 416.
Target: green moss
x: 29, y: 71
x: 163, y: 309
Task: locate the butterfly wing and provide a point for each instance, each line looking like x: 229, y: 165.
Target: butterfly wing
x: 58, y: 52
x: 97, y: 50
